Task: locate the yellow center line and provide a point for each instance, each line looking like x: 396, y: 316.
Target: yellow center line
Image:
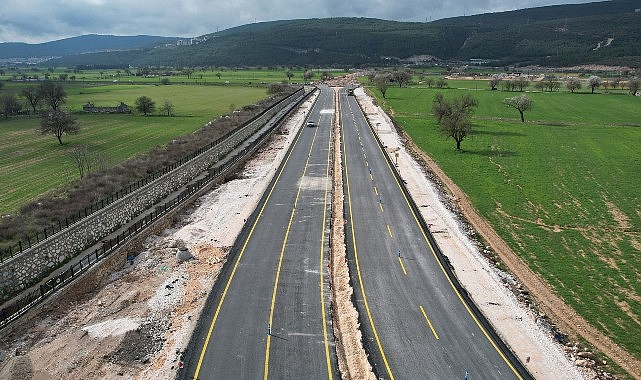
x: 240, y: 255
x: 402, y: 266
x: 389, y: 229
x: 381, y: 206
x: 371, y: 177
x: 280, y: 259
x: 428, y: 322
x: 358, y: 267
x: 460, y: 297
x: 375, y: 190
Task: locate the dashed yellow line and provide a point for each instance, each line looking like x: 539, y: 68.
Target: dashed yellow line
x: 389, y: 229
x: 460, y: 297
x: 428, y: 322
x: 280, y: 259
x: 358, y: 267
x: 402, y: 266
x: 240, y: 255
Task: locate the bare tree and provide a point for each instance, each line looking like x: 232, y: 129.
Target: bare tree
x: 86, y: 159
x: 551, y: 83
x: 382, y: 82
x: 57, y: 123
x: 521, y: 103
x: 453, y: 117
x: 10, y: 105
x: 573, y: 84
x: 521, y: 83
x: 167, y: 107
x: 633, y: 86
x: 289, y: 74
x: 325, y: 75
x: 53, y: 94
x: 430, y: 82
x: 594, y: 82
x: 441, y: 83
x: 401, y: 77
x: 494, y: 82
x: 307, y: 75
x: 615, y: 83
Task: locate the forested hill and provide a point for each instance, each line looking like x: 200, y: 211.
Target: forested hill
x: 604, y: 32
x: 80, y: 45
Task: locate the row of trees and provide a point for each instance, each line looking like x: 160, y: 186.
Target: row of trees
x: 551, y: 83
x: 47, y: 93
x: 382, y: 80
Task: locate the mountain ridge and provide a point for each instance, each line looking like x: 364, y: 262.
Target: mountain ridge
x: 558, y: 35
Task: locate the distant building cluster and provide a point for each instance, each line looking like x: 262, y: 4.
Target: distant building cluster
x: 122, y: 108
x: 191, y: 41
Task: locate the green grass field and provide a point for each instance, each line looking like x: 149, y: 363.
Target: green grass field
x: 197, y: 76
x: 562, y: 189
x: 33, y: 164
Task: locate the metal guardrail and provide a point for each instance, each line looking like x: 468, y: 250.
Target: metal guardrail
x: 31, y: 240
x: 22, y: 304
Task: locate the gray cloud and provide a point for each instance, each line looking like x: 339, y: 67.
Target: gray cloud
x: 46, y: 20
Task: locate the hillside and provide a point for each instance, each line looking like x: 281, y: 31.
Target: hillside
x: 602, y: 32
x: 79, y: 45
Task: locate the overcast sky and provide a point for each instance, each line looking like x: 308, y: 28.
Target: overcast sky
x: 36, y: 21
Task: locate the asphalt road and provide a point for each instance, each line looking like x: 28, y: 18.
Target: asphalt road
x: 268, y: 314
x: 414, y: 321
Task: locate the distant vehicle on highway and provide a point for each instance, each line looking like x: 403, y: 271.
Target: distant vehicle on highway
x: 310, y: 123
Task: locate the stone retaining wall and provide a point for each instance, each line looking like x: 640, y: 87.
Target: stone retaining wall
x: 29, y: 267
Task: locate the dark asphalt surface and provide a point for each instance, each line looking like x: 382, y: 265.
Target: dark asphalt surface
x: 268, y: 314
x: 415, y: 324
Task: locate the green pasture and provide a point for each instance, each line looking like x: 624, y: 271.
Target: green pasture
x: 205, y: 75
x: 33, y: 164
x: 562, y: 189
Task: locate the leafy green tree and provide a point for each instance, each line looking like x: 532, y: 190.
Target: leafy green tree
x: 521, y: 103
x: 573, y: 85
x: 145, y: 105
x: 454, y: 116
x: 57, y: 123
x: 53, y: 94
